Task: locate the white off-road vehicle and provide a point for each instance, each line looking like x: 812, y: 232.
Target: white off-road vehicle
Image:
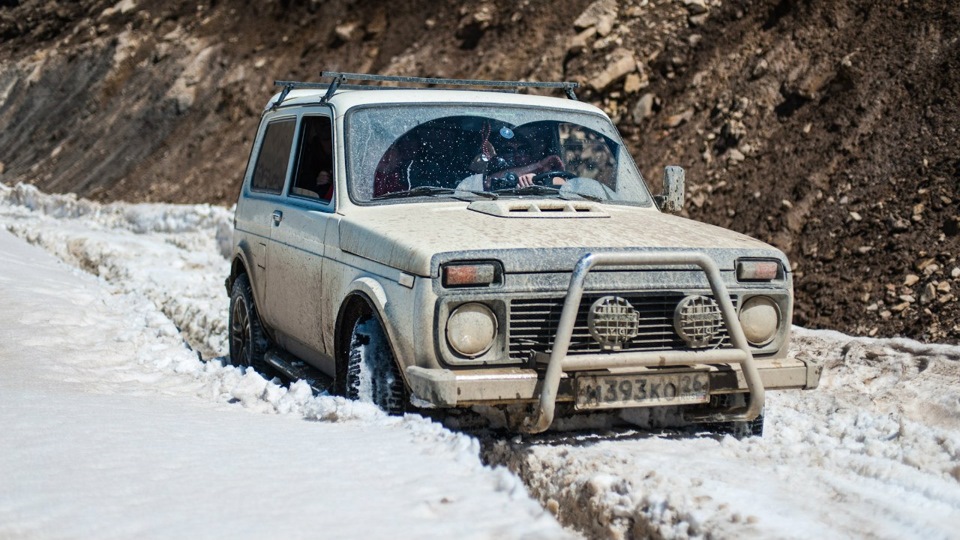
x: 454, y: 248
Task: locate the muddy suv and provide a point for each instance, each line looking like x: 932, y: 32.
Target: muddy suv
x: 440, y: 248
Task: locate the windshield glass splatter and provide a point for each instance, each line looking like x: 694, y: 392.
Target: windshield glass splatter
x: 404, y: 152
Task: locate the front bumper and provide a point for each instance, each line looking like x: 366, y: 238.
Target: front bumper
x: 447, y: 388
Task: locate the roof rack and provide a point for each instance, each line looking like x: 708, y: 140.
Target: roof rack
x: 338, y: 78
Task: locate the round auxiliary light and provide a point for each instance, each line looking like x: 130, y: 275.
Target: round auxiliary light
x: 760, y: 319
x: 697, y: 320
x: 471, y: 329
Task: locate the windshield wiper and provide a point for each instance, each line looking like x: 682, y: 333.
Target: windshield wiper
x: 419, y: 191
x: 484, y: 194
x: 537, y: 189
x: 534, y: 189
x: 582, y: 196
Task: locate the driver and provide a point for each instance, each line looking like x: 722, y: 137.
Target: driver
x: 513, y: 164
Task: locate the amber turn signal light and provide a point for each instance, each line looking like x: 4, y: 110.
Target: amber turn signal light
x: 757, y: 270
x: 465, y: 275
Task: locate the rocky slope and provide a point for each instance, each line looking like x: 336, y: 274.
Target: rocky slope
x: 828, y: 128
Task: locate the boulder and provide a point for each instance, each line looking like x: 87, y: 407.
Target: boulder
x: 601, y: 15
x: 622, y: 62
x: 644, y: 108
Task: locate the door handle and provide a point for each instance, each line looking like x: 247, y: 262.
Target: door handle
x: 277, y: 217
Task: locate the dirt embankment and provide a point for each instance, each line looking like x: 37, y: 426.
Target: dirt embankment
x: 828, y: 128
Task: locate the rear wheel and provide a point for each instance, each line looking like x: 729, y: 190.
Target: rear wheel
x: 248, y: 343
x: 372, y: 374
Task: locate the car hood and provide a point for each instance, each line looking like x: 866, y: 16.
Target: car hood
x: 416, y: 238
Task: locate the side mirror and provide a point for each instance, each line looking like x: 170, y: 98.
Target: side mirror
x: 671, y: 201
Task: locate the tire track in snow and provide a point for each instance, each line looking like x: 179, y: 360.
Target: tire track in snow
x: 875, y: 451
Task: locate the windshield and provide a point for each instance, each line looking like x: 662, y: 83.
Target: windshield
x: 403, y: 152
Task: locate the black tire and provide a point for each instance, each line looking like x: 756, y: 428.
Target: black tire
x: 248, y: 342
x: 372, y: 374
x: 742, y: 429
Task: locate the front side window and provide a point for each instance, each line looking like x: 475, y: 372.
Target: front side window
x: 271, y: 169
x: 402, y: 152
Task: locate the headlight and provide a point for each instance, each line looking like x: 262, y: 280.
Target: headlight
x: 760, y: 319
x: 471, y: 329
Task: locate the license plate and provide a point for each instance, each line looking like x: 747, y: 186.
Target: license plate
x: 647, y: 390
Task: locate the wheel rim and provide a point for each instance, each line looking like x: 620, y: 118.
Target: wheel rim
x: 240, y: 332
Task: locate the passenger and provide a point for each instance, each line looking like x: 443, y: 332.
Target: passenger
x: 325, y: 158
x: 393, y: 171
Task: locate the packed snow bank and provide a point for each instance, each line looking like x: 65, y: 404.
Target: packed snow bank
x: 874, y: 452
x: 113, y: 428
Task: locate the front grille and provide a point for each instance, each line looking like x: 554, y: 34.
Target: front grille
x: 534, y: 321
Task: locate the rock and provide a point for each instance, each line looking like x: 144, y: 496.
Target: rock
x: 601, y: 15
x: 123, y: 7
x: 925, y: 263
x: 911, y: 280
x: 886, y: 314
x: 634, y: 83
x: 855, y: 216
x: 909, y: 298
x: 759, y: 70
x: 786, y: 204
x: 943, y: 286
x: 736, y: 156
x: 349, y: 31
x: 581, y: 41
x: 929, y: 294
x: 621, y: 63
x: 678, y: 119
x: 698, y: 20
x: 900, y: 307
x: 644, y: 109
x: 694, y: 40
x: 931, y: 269
x: 3, y: 167
x: 955, y: 273
x: 695, y: 7
x: 898, y: 224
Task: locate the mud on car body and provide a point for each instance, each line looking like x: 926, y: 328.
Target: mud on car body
x: 453, y: 248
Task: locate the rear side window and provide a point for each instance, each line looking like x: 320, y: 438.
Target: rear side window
x: 271, y: 169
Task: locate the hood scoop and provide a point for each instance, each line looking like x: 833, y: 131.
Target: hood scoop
x: 538, y: 209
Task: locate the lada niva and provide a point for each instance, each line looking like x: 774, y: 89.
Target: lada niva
x: 449, y: 248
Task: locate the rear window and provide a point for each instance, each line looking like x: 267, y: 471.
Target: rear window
x: 273, y: 161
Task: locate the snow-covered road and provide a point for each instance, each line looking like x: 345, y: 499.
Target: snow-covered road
x: 112, y: 427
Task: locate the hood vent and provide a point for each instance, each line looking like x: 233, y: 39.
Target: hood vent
x: 538, y: 209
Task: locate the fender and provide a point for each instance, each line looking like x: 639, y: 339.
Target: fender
x: 373, y: 294
x: 241, y: 260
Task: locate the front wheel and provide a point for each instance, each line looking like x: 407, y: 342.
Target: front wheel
x: 372, y: 374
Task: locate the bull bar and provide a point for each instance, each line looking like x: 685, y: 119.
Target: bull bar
x: 560, y: 362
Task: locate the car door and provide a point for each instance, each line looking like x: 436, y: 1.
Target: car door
x: 295, y: 280
x: 262, y: 189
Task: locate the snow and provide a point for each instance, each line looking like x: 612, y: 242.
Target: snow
x: 113, y: 427
x: 119, y: 419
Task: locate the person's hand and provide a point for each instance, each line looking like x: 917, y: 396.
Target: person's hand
x: 525, y: 180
